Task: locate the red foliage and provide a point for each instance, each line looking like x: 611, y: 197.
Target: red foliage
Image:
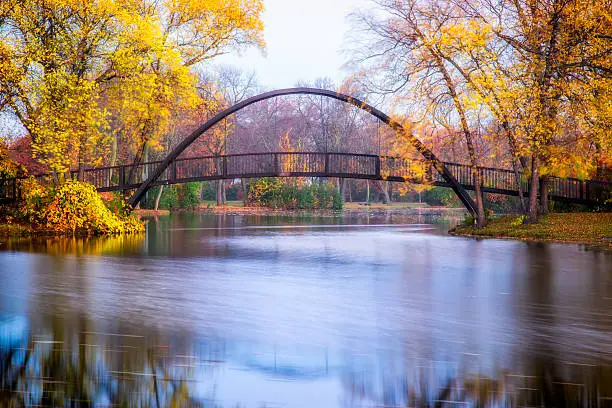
x: 20, y: 151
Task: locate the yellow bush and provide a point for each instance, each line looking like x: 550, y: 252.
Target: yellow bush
x: 74, y: 207
x: 34, y: 199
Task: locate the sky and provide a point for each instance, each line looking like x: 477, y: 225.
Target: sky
x: 304, y: 41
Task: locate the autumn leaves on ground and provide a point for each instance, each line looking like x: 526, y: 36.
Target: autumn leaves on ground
x: 508, y: 84
x: 578, y: 228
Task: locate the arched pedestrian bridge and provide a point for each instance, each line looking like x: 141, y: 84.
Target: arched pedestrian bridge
x: 176, y: 169
x: 307, y: 164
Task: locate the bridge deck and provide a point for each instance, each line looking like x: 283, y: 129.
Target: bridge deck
x: 302, y: 164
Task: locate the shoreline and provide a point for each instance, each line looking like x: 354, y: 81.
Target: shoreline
x: 593, y: 230
x: 267, y: 211
x: 599, y: 244
x: 588, y: 229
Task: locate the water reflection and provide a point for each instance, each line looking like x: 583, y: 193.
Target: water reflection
x: 305, y: 312
x: 111, y: 245
x: 88, y: 368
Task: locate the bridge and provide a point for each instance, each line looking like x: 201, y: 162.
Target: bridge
x: 324, y: 165
x: 140, y: 177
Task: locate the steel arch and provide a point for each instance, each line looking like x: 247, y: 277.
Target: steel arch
x: 425, y: 152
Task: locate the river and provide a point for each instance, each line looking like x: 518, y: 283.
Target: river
x: 304, y: 311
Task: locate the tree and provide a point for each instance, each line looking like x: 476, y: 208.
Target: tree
x: 83, y: 77
x: 48, y: 58
x: 411, y: 44
x: 530, y: 75
x: 555, y: 53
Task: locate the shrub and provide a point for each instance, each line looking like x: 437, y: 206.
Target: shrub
x: 169, y: 198
x: 518, y: 222
x: 115, y: 202
x: 8, y: 167
x: 271, y: 192
x: 188, y: 195
x: 324, y: 195
x: 469, y: 220
x: 306, y: 198
x: 264, y: 192
x: 441, y: 196
x: 337, y: 202
x: 209, y: 191
x: 34, y: 199
x: 73, y: 207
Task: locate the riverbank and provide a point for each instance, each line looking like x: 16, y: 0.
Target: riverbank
x: 238, y: 208
x: 572, y: 228
x: 15, y: 230
x: 10, y: 227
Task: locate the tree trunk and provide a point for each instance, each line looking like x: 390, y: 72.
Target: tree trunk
x: 533, y: 190
x: 384, y: 191
x: 519, y: 186
x: 544, y: 183
x: 481, y: 219
x: 245, y: 191
x: 350, y: 191
x: 137, y: 159
x: 219, y: 192
x: 145, y: 172
x: 159, y: 194
x: 367, y: 192
x: 223, y: 192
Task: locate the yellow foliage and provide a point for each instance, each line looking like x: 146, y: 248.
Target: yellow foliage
x: 71, y: 208
x: 71, y: 70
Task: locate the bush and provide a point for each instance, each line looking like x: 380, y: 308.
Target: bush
x: 73, y: 207
x: 272, y: 192
x: 179, y: 196
x: 209, y: 191
x: 264, y: 192
x: 188, y: 195
x: 34, y: 199
x: 469, y: 220
x: 441, y: 196
x: 337, y: 202
x: 306, y: 198
x: 115, y: 203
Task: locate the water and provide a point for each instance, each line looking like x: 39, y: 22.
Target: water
x: 256, y: 311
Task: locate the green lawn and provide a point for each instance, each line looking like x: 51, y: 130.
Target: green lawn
x: 587, y: 228
x: 213, y: 203
x: 393, y: 205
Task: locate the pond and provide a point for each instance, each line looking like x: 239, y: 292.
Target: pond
x: 358, y: 310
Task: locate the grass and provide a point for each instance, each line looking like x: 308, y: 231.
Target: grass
x: 212, y: 203
x: 577, y: 228
x: 393, y: 205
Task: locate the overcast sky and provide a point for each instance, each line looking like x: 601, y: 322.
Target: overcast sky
x: 304, y: 42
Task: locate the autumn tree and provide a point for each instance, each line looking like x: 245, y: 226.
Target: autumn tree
x: 526, y: 75
x: 48, y: 60
x: 186, y: 34
x: 409, y: 42
x: 557, y: 53
x: 84, y: 76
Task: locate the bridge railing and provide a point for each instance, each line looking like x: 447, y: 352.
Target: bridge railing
x: 252, y: 165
